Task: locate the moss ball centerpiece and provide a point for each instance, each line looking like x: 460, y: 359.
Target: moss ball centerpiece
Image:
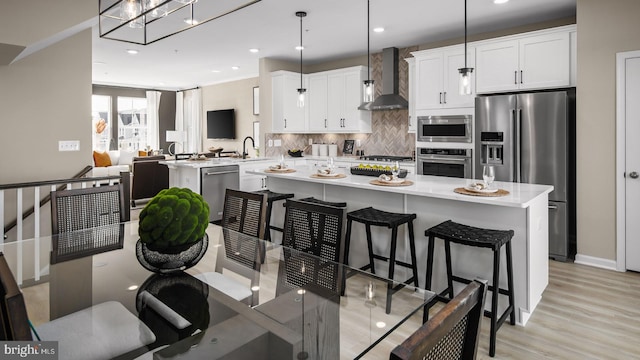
x: 172, y: 230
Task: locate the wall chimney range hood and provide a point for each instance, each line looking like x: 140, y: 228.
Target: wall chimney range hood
x: 390, y: 98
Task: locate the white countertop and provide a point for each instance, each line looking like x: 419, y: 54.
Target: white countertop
x: 520, y: 195
x: 234, y: 161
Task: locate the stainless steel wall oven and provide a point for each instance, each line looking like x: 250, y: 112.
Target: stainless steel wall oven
x: 444, y: 162
x: 446, y: 128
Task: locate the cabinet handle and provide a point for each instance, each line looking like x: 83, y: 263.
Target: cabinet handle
x: 440, y: 101
x: 285, y: 123
x: 520, y: 76
x: 515, y: 77
x: 325, y: 123
x: 445, y: 97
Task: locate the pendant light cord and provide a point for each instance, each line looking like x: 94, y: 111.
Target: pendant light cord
x: 301, y: 51
x: 465, y: 34
x: 368, y: 50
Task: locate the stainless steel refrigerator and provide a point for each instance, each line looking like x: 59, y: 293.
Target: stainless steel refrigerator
x: 530, y: 138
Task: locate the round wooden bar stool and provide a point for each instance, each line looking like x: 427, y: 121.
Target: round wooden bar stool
x: 452, y: 232
x: 374, y: 217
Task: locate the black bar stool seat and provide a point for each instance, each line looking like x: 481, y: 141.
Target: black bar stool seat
x: 326, y: 203
x: 271, y: 197
x: 374, y: 217
x: 452, y: 232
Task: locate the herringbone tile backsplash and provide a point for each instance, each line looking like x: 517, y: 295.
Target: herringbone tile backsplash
x: 389, y: 127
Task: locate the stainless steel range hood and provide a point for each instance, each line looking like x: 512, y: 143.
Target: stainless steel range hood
x: 390, y: 98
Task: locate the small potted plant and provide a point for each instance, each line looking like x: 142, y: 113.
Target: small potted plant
x: 172, y: 231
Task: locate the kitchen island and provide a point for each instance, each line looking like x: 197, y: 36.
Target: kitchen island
x: 433, y: 200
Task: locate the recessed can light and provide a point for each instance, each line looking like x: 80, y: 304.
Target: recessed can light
x: 299, y: 47
x: 132, y: 51
x: 378, y: 29
x: 234, y: 68
x: 191, y: 21
x: 254, y: 50
x: 500, y: 1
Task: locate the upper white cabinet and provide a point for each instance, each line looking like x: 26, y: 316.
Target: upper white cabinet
x: 437, y: 78
x: 334, y: 97
x: 287, y: 117
x: 412, y: 121
x: 524, y: 62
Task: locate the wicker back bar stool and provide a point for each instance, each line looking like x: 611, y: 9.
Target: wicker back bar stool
x: 271, y: 198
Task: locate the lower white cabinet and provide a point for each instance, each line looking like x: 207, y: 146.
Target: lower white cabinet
x: 252, y: 182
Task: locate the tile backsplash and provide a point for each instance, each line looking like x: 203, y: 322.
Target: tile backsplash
x: 389, y: 134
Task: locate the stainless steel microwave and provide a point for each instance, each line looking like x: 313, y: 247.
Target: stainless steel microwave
x: 445, y: 128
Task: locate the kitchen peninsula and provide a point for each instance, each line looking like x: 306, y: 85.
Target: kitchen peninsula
x: 433, y: 199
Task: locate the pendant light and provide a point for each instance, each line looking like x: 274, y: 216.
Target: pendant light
x: 301, y: 90
x: 368, y: 85
x: 465, y: 72
x: 130, y: 11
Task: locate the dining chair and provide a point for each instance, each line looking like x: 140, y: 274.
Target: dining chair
x: 317, y: 230
x: 243, y: 221
x: 452, y: 333
x: 102, y: 331
x: 81, y: 209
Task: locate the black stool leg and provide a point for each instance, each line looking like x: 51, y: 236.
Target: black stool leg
x: 372, y: 264
x: 347, y: 242
x: 494, y: 302
x: 447, y: 250
x: 392, y: 266
x: 267, y: 235
x: 414, y: 261
x: 427, y: 284
x: 512, y: 317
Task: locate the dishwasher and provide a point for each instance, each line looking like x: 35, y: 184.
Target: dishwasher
x: 213, y: 183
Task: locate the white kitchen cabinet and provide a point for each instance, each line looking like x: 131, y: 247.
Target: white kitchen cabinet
x: 524, y: 62
x: 412, y: 121
x: 437, y: 78
x: 251, y: 182
x: 334, y: 99
x: 287, y: 117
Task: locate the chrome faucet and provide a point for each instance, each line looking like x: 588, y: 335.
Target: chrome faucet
x: 244, y: 143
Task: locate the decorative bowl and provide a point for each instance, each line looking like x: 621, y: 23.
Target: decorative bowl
x: 296, y: 153
x: 171, y: 259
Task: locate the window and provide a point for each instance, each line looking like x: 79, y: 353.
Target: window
x: 101, y: 120
x: 132, y: 123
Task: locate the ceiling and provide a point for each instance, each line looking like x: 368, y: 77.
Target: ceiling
x: 333, y: 29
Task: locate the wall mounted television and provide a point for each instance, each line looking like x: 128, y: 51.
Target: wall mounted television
x: 221, y: 124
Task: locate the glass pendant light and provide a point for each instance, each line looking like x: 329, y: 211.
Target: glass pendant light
x: 301, y: 91
x: 368, y: 85
x: 465, y: 72
x: 156, y: 10
x: 130, y: 9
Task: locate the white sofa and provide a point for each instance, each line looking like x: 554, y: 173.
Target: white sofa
x: 120, y: 161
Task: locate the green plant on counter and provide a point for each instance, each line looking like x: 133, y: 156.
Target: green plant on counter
x: 175, y: 216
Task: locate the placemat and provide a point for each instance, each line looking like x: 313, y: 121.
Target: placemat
x: 280, y: 171
x: 339, y: 176
x: 381, y: 183
x: 500, y: 192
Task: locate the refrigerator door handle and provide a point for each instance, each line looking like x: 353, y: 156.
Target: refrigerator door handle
x: 517, y: 145
x: 553, y: 207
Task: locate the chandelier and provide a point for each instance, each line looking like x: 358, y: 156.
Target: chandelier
x: 144, y: 22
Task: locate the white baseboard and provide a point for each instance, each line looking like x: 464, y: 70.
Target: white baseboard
x: 596, y: 262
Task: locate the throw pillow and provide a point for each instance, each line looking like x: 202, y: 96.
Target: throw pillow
x: 101, y: 159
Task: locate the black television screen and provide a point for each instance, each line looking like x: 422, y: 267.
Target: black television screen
x: 221, y: 124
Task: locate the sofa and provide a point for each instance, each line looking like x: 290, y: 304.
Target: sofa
x: 118, y: 161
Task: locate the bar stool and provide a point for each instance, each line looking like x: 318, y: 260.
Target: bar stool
x: 326, y: 203
x: 374, y: 217
x: 271, y: 197
x: 450, y: 231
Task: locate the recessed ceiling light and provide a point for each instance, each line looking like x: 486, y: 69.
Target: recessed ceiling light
x: 132, y: 287
x: 378, y: 29
x: 191, y: 21
x: 132, y: 51
x: 299, y: 47
x: 234, y: 68
x: 253, y: 50
x: 500, y: 1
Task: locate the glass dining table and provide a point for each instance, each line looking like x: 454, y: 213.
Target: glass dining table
x: 292, y: 305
